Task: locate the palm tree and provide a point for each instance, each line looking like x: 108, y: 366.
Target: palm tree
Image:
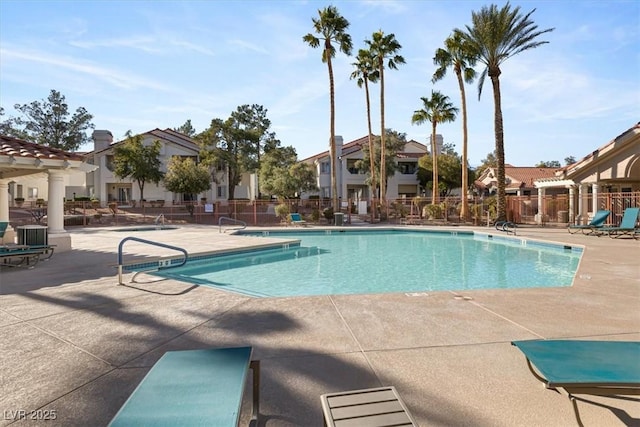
x: 331, y: 27
x: 456, y: 55
x: 365, y: 72
x: 384, y: 48
x: 436, y: 109
x: 494, y: 36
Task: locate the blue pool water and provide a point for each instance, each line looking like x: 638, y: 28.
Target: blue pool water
x: 359, y: 262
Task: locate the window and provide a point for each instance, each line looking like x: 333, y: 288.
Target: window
x: 32, y: 193
x: 351, y: 167
x: 407, y: 168
x: 325, y: 192
x: 325, y: 167
x: 109, y: 162
x: 222, y: 191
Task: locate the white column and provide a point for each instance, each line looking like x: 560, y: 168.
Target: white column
x: 594, y: 194
x: 55, y: 204
x: 582, y: 194
x: 4, y: 201
x: 572, y: 208
x: 540, y: 219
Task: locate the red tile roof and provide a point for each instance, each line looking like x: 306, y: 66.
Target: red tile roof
x: 10, y: 146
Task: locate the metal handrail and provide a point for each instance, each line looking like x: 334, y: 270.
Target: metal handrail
x: 149, y: 242
x: 235, y: 221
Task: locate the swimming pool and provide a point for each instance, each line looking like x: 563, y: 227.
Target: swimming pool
x: 357, y: 262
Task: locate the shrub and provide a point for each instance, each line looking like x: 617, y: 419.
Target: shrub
x: 328, y: 214
x: 282, y: 210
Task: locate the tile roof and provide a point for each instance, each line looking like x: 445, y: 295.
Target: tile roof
x: 10, y: 146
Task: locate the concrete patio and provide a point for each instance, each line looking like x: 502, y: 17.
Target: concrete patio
x: 77, y: 343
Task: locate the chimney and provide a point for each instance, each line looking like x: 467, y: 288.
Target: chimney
x: 339, y: 142
x: 101, y: 139
x: 439, y: 143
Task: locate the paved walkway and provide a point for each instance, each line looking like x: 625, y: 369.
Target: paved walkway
x: 76, y: 343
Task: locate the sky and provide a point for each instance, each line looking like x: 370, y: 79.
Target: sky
x: 141, y: 65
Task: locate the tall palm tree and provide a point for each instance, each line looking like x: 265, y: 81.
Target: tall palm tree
x: 366, y: 71
x: 384, y: 48
x: 457, y: 55
x: 494, y: 36
x: 436, y: 109
x: 331, y: 28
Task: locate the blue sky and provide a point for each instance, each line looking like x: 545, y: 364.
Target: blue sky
x: 140, y: 65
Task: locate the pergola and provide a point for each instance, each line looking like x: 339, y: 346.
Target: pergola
x: 19, y: 159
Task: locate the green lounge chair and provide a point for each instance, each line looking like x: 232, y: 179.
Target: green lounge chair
x: 627, y: 225
x: 600, y: 368
x: 596, y: 222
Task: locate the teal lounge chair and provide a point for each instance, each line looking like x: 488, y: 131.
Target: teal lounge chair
x: 296, y: 219
x: 596, y: 222
x: 600, y: 368
x: 627, y: 225
x: 3, y: 229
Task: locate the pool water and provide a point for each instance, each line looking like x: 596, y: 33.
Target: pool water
x: 385, y: 261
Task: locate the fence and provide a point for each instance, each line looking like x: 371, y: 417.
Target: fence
x: 520, y: 209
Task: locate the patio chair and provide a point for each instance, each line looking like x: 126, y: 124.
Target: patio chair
x: 596, y: 222
x: 23, y: 255
x: 627, y: 225
x: 599, y: 368
x: 3, y: 229
x: 296, y: 219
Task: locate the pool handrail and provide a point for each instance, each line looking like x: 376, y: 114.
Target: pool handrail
x: 232, y: 220
x: 149, y: 242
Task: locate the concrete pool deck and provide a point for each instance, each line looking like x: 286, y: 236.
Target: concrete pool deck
x: 75, y: 342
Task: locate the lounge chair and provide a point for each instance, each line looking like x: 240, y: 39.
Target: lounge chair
x: 3, y: 229
x: 599, y: 368
x: 193, y: 388
x: 627, y: 225
x: 596, y: 222
x: 296, y: 219
x: 24, y: 255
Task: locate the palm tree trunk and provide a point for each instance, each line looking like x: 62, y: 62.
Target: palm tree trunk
x: 499, y: 135
x: 332, y: 144
x: 383, y: 163
x: 372, y: 157
x: 435, y: 194
x: 464, y: 210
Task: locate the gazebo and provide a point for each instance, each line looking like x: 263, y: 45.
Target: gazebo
x: 19, y: 158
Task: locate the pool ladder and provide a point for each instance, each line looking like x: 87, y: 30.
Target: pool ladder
x: 222, y: 219
x: 162, y: 264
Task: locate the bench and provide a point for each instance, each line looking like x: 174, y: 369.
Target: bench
x: 193, y: 388
x: 362, y: 408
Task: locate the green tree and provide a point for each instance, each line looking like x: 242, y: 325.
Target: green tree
x: 395, y: 143
x: 491, y: 161
x: 548, y: 164
x: 494, y: 36
x: 457, y: 55
x: 186, y: 177
x: 8, y: 127
x: 281, y: 174
x: 48, y: 123
x: 132, y: 159
x: 365, y: 72
x: 436, y: 109
x: 331, y: 27
x: 384, y: 49
x: 569, y: 160
x: 234, y: 145
x: 449, y: 165
x: 186, y: 129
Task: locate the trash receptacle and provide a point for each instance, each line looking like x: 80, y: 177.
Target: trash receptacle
x: 563, y: 217
x: 339, y: 218
x: 32, y: 235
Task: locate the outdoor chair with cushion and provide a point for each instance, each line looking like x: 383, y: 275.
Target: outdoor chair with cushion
x: 596, y: 222
x: 628, y: 225
x: 599, y: 368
